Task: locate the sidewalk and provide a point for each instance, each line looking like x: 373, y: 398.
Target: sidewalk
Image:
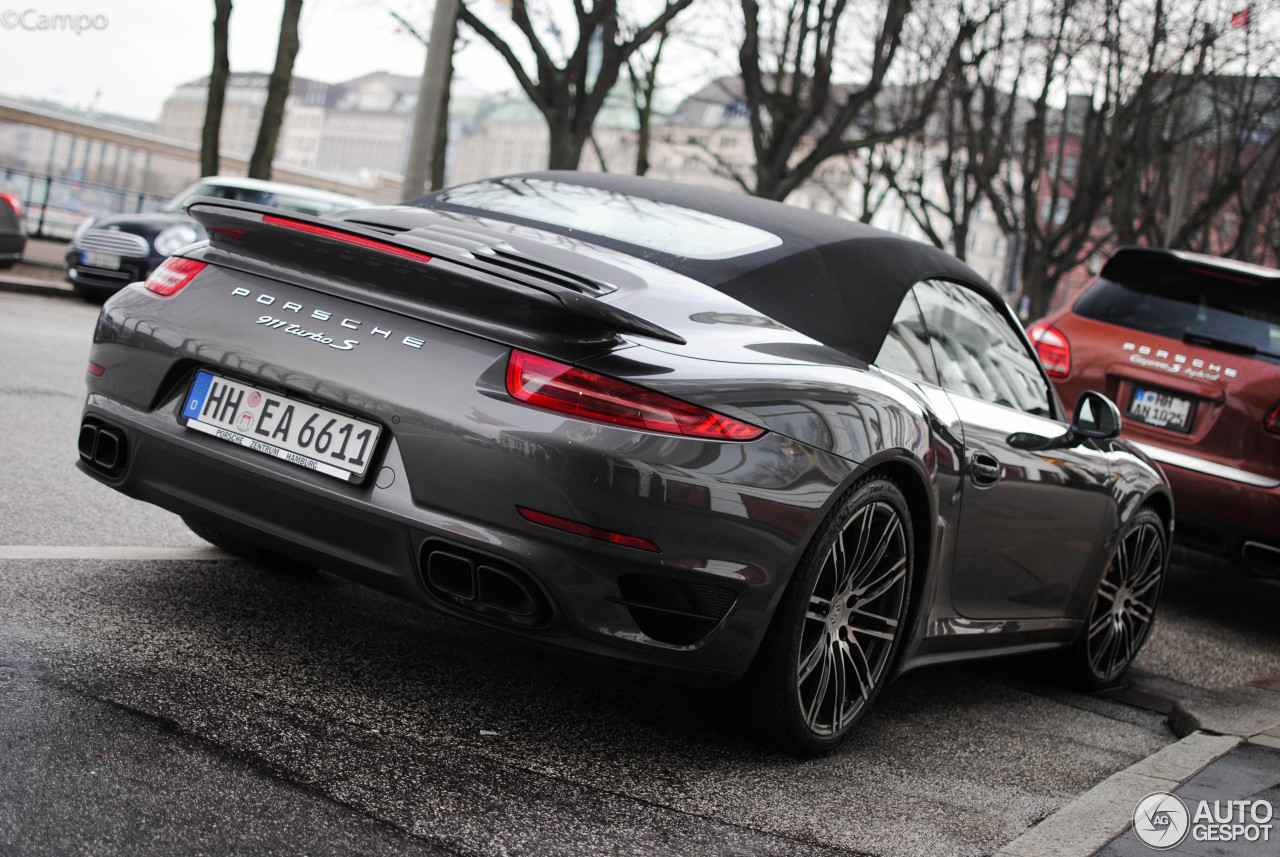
x: 1229, y: 748
x: 1230, y: 751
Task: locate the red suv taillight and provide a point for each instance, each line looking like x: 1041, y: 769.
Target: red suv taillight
x: 1272, y: 422
x: 570, y: 390
x: 173, y: 274
x: 1052, y: 346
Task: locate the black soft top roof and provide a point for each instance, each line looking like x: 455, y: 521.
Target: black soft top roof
x: 835, y: 280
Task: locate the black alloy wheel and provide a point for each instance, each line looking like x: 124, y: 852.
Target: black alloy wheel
x: 1124, y: 606
x: 840, y: 622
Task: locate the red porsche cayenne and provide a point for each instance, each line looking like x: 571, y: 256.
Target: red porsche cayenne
x: 1189, y: 347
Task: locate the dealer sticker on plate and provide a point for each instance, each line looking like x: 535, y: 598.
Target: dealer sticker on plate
x: 293, y: 431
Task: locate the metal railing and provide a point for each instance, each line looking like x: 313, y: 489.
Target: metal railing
x: 55, y: 206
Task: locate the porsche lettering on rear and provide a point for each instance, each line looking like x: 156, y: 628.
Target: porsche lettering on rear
x: 1175, y: 364
x: 319, y: 315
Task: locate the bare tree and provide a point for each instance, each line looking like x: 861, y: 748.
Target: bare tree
x: 1126, y: 161
x: 278, y: 88
x: 642, y: 74
x: 1211, y: 184
x: 569, y: 84
x: 961, y: 157
x: 799, y: 115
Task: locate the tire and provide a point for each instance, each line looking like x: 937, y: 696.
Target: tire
x: 1124, y: 603
x: 247, y: 550
x: 838, y: 628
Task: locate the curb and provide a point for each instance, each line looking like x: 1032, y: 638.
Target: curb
x: 31, y: 286
x: 1209, y: 726
x: 1089, y: 822
x: 1247, y: 711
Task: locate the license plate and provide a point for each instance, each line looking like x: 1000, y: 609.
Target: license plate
x: 1161, y: 409
x: 315, y: 438
x: 100, y: 260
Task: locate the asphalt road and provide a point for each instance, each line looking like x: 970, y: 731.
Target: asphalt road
x: 159, y: 698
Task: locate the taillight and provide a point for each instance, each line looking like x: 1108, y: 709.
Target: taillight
x: 1272, y: 422
x: 347, y: 237
x: 1052, y: 346
x: 570, y: 390
x: 173, y: 274
x: 14, y: 203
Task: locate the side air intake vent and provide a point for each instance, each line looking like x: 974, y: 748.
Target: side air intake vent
x: 678, y: 612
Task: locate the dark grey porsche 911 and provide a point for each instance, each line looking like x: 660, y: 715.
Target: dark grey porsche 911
x: 700, y: 433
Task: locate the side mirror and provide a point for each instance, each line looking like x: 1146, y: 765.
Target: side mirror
x: 1096, y: 417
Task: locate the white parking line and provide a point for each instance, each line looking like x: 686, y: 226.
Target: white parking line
x: 111, y: 552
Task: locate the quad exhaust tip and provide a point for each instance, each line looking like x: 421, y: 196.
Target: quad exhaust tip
x: 102, y: 447
x: 483, y: 584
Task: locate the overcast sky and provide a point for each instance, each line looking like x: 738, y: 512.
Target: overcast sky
x: 130, y: 54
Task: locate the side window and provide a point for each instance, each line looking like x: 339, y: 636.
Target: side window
x: 977, y: 350
x: 905, y: 350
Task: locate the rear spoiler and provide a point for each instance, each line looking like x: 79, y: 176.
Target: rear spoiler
x: 1148, y: 262
x: 413, y: 268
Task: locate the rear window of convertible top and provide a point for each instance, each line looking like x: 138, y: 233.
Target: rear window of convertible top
x: 634, y: 220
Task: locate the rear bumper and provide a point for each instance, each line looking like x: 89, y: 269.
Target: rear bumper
x: 698, y: 610
x: 1223, y: 510
x: 104, y: 281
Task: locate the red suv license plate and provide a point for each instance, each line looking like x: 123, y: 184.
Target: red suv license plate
x: 1161, y: 409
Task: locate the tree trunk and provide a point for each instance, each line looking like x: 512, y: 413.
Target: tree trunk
x: 642, y: 91
x: 1037, y: 286
x: 210, y: 139
x: 264, y: 151
x: 440, y: 146
x: 564, y: 143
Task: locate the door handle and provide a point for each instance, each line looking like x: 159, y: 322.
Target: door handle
x: 984, y: 468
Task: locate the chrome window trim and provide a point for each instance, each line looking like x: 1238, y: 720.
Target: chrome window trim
x: 1209, y: 468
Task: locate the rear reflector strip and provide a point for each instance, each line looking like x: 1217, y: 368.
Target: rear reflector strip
x: 1272, y: 422
x: 346, y: 237
x: 580, y: 529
